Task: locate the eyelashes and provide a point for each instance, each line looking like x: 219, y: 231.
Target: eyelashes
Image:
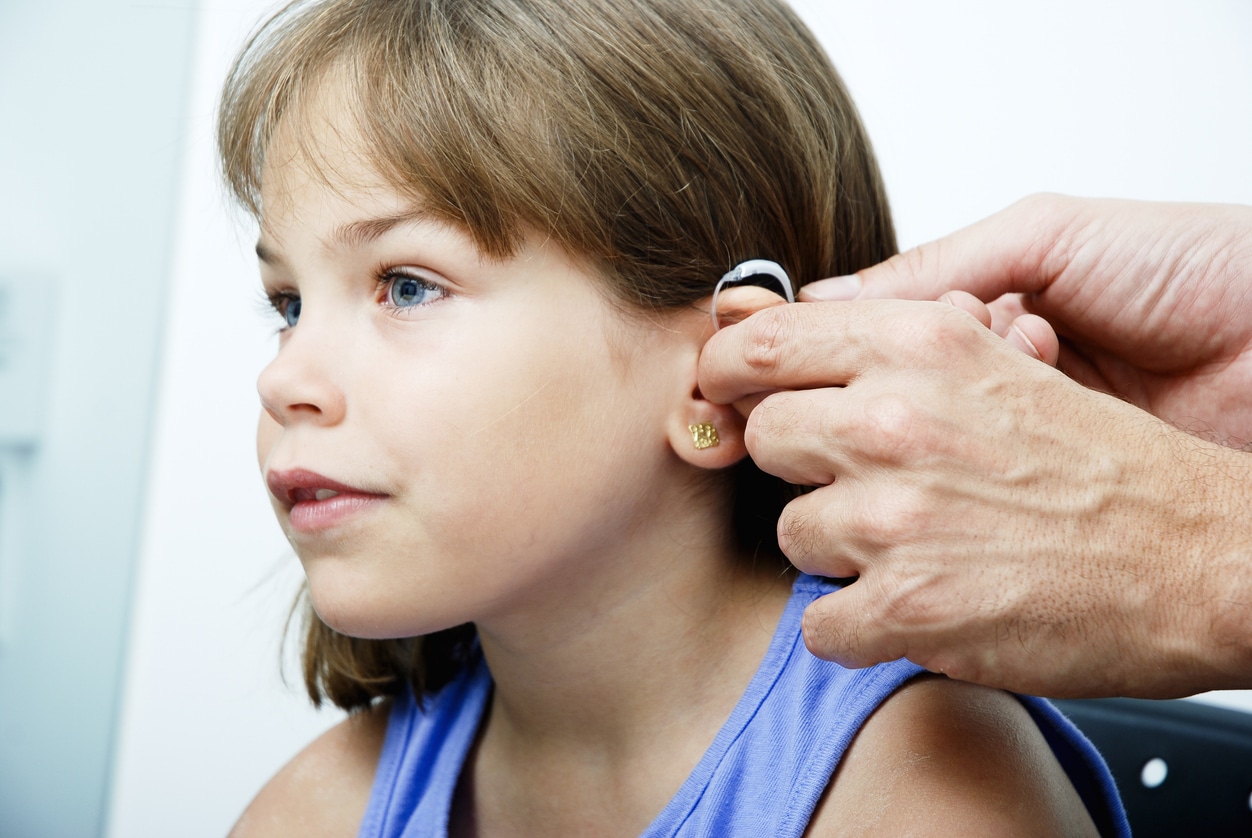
x: 398, y: 290
x: 285, y: 304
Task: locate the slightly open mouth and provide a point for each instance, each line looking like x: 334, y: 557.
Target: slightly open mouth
x: 306, y: 495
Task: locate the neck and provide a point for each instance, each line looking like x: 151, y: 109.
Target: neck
x: 661, y: 633
x: 612, y: 670
x: 614, y: 675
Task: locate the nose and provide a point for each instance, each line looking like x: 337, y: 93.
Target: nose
x: 299, y: 385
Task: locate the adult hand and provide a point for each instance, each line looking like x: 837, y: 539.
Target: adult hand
x: 1153, y: 301
x: 1009, y: 526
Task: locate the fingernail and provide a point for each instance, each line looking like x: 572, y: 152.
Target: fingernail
x: 835, y: 289
x: 1022, y: 337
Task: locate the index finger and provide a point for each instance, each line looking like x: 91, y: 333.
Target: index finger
x: 1021, y: 250
x: 800, y: 346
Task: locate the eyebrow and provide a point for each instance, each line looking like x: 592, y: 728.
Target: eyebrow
x: 355, y: 233
x: 266, y: 255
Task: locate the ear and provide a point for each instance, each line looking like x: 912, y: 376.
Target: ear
x: 705, y: 434
x: 695, y: 422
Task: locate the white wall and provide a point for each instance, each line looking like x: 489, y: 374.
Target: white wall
x: 91, y: 106
x: 969, y: 109
x: 206, y: 717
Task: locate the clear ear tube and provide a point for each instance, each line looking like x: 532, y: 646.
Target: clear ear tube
x: 747, y: 270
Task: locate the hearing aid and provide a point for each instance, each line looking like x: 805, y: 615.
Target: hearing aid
x: 747, y: 270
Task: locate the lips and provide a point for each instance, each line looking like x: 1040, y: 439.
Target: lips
x: 315, y: 503
x: 300, y: 485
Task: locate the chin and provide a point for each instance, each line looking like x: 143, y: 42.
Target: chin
x: 377, y: 617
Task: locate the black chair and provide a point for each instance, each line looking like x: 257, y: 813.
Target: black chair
x: 1183, y: 769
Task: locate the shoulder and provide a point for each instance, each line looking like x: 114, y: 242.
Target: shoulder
x: 943, y: 757
x: 324, y: 790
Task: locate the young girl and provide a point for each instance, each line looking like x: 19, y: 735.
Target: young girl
x: 544, y: 575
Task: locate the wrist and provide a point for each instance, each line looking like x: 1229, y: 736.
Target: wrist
x: 1201, y: 636
x: 1230, y: 575
x: 1184, y: 596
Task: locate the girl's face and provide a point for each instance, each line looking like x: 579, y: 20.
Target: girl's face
x: 447, y: 437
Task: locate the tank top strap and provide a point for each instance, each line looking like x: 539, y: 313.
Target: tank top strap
x: 423, y: 752
x: 774, y: 757
x: 764, y: 774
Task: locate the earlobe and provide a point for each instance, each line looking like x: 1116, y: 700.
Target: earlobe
x: 695, y: 422
x: 707, y: 435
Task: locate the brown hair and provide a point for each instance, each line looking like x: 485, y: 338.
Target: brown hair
x: 664, y: 141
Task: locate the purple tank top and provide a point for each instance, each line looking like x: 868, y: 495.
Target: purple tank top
x: 764, y: 773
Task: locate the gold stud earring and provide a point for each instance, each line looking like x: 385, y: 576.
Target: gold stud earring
x: 703, y: 435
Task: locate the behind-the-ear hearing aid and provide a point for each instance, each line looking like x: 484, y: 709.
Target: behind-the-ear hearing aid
x: 747, y: 270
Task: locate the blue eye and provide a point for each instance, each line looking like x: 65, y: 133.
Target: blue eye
x: 407, y: 291
x: 286, y: 304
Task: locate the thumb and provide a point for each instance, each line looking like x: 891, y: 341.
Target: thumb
x: 1009, y: 252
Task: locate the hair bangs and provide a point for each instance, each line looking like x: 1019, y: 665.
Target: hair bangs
x: 438, y: 107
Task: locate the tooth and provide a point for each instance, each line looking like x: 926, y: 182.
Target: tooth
x: 324, y: 494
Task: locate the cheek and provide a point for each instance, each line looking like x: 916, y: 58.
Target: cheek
x: 503, y: 430
x: 557, y: 424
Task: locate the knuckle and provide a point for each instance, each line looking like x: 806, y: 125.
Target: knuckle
x: 890, y: 428
x: 763, y: 346
x: 829, y: 636
x: 771, y: 419
x: 925, y: 335
x: 795, y: 534
x: 851, y: 639
x: 807, y: 535
x: 945, y: 328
